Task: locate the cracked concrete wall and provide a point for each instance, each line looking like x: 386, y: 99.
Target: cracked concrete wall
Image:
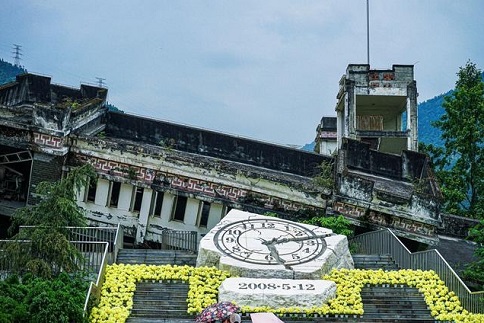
x: 210, y: 143
x: 387, y: 190
x: 196, y: 177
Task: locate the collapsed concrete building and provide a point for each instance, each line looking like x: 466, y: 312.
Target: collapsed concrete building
x: 156, y: 176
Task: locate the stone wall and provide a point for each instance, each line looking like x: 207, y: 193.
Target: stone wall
x: 361, y: 157
x: 214, y: 144
x: 45, y: 168
x: 456, y: 226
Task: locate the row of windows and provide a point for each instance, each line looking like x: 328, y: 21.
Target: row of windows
x: 156, y: 205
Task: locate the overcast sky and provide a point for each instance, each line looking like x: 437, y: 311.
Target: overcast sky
x: 267, y: 70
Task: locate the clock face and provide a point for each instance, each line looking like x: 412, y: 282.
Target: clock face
x: 269, y: 242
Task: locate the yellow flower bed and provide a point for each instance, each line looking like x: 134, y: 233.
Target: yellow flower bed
x: 443, y: 304
x: 120, y: 284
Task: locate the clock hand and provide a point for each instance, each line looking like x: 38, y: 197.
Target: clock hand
x: 275, y: 254
x: 284, y: 240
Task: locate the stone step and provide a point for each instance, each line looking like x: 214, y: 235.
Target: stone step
x: 158, y: 320
x: 160, y: 300
x: 374, y: 262
x: 385, y: 303
x: 159, y: 313
x: 399, y: 305
x: 156, y: 257
x: 350, y: 318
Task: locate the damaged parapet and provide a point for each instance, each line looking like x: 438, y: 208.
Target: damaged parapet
x: 383, y: 190
x: 326, y: 134
x: 378, y: 107
x: 44, y: 114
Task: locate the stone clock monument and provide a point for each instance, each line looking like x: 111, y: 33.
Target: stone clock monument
x: 256, y: 246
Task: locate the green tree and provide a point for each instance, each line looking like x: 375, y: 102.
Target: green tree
x: 35, y: 300
x: 339, y: 224
x: 45, y: 250
x: 474, y: 271
x: 459, y: 163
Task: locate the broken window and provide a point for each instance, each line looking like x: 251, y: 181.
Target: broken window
x: 114, y: 189
x: 203, y: 213
x: 180, y: 207
x: 137, y: 199
x: 91, y: 190
x: 156, y: 203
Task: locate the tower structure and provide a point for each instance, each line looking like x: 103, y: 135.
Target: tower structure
x: 378, y: 107
x: 17, y: 53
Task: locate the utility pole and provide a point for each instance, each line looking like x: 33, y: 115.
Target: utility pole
x: 17, y: 53
x: 100, y: 81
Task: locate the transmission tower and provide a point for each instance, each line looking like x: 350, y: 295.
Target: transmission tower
x: 17, y: 53
x: 100, y: 81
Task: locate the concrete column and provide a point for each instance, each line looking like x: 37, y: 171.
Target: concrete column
x: 350, y: 110
x: 412, y: 117
x: 143, y: 217
x: 339, y: 128
x: 102, y: 191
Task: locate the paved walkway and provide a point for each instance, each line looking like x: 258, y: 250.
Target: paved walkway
x: 456, y: 252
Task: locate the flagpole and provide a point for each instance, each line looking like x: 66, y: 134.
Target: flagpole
x: 368, y: 31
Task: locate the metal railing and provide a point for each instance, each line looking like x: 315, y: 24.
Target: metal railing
x: 90, y: 263
x: 179, y: 240
x: 94, y: 292
x: 99, y: 247
x: 386, y: 242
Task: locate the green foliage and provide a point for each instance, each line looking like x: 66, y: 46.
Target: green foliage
x: 45, y: 250
x: 8, y: 72
x: 273, y: 214
x: 339, y: 224
x: 474, y: 271
x: 325, y: 177
x: 458, y: 163
x: 41, y: 300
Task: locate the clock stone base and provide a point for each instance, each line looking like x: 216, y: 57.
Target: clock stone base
x: 277, y: 293
x: 256, y: 246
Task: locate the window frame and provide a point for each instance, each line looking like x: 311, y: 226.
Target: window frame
x: 136, y: 199
x: 92, y: 185
x: 154, y: 203
x: 174, y: 211
x: 203, y: 214
x: 110, y: 194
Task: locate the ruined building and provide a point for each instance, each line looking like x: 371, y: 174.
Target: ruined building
x: 155, y: 176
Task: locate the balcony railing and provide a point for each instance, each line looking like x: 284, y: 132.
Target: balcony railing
x: 386, y: 242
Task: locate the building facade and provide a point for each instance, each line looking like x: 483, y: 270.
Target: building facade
x: 156, y: 176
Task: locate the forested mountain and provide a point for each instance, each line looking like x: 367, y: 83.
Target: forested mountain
x: 428, y: 112
x: 9, y: 71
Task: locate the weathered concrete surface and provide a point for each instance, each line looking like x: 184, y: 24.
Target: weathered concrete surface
x: 277, y: 293
x: 334, y: 252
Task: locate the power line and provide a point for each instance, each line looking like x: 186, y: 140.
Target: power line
x: 17, y: 53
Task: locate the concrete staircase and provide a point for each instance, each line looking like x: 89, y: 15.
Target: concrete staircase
x: 166, y: 302
x: 394, y: 304
x: 156, y: 257
x: 160, y: 302
x: 374, y: 262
